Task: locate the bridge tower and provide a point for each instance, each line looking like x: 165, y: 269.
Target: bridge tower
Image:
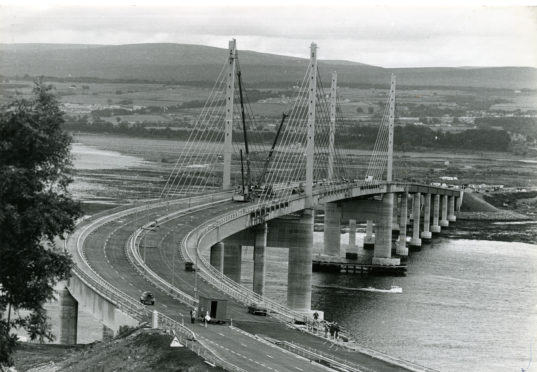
x: 391, y: 118
x: 228, y: 129
x: 332, y: 212
x: 311, y: 124
x: 383, y: 235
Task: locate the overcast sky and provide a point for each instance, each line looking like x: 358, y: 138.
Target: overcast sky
x: 384, y: 35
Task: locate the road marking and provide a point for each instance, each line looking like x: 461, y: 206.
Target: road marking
x: 271, y: 357
x: 221, y: 334
x: 300, y: 369
x: 164, y: 305
x: 243, y: 345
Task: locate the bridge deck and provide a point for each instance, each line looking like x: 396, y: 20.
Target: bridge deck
x: 105, y: 250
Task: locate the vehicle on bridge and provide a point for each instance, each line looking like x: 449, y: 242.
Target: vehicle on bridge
x: 147, y: 298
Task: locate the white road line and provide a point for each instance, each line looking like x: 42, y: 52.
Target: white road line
x: 243, y: 345
x: 221, y: 334
x: 271, y: 357
x: 164, y: 305
x: 300, y: 369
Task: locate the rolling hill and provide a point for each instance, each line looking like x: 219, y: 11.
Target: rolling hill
x: 196, y: 63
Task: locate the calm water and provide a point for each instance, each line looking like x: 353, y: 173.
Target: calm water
x: 466, y: 305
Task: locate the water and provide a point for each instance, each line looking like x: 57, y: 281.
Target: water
x: 466, y: 305
x: 87, y: 157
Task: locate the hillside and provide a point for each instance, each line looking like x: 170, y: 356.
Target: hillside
x: 196, y: 63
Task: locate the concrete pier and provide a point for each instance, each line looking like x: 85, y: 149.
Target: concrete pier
x: 68, y: 318
x: 217, y: 256
x: 233, y: 261
x: 444, y: 221
x: 451, y: 209
x: 435, y: 228
x: 352, y: 250
x: 259, y: 258
x: 415, y: 242
x: 369, y: 240
x: 401, y: 248
x: 383, y: 237
x: 426, y: 235
x: 332, y: 229
x: 300, y: 258
x: 395, y: 220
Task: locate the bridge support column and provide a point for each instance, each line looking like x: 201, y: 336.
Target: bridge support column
x: 395, y: 219
x: 401, y: 248
x: 233, y: 261
x: 451, y: 209
x: 444, y: 221
x: 259, y: 258
x: 415, y: 242
x: 108, y: 333
x: 332, y: 229
x: 217, y: 256
x: 300, y: 257
x: 68, y: 318
x: 426, y: 233
x: 383, y: 237
x: 352, y: 250
x: 435, y: 228
x: 369, y: 240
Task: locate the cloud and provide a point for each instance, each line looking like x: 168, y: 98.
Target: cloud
x: 386, y: 36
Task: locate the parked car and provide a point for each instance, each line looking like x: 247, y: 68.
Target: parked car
x: 147, y: 298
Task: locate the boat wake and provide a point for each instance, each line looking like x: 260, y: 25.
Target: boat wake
x: 393, y: 289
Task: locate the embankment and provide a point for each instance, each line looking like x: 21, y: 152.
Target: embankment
x: 141, y: 350
x: 475, y: 207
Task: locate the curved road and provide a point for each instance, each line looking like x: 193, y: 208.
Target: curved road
x: 105, y: 251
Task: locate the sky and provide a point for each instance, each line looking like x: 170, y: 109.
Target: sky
x: 388, y: 34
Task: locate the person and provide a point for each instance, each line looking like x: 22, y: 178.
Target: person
x: 315, y: 316
x: 202, y: 313
x: 336, y: 330
x: 206, y: 318
x: 326, y: 327
x: 193, y: 315
x: 332, y: 329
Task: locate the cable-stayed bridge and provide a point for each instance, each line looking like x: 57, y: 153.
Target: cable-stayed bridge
x: 231, y: 188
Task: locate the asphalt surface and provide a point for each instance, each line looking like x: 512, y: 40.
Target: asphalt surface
x: 105, y: 251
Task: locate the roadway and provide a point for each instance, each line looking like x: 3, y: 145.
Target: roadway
x: 105, y: 250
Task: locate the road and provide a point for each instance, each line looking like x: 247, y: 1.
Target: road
x: 105, y: 250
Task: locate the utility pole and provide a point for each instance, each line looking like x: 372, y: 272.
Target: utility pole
x: 228, y: 129
x: 310, y: 147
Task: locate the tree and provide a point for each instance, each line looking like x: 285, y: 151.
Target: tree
x: 35, y: 208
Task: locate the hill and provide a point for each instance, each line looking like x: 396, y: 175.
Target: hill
x: 196, y: 63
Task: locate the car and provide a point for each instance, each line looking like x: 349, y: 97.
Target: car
x: 257, y: 310
x: 147, y: 298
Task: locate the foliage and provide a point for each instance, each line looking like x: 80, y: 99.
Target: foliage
x: 38, y: 327
x: 35, y: 206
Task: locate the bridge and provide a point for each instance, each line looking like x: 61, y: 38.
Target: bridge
x: 202, y: 220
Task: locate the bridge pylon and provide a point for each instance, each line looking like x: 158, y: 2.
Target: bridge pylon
x: 228, y: 129
x: 391, y: 119
x: 310, y: 147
